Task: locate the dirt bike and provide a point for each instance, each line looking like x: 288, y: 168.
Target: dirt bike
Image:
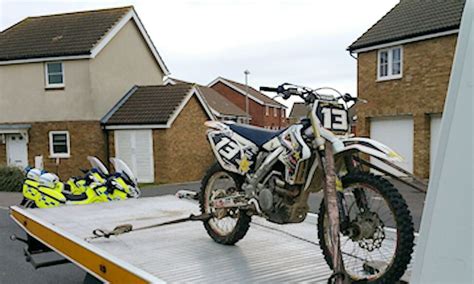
x: 271, y: 174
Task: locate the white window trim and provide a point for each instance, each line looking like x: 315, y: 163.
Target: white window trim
x: 48, y: 85
x: 267, y: 111
x: 389, y: 63
x: 51, y: 150
x: 275, y: 112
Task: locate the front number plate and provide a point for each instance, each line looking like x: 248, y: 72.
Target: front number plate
x: 333, y: 117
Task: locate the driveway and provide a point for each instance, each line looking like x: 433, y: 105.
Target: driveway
x: 14, y: 269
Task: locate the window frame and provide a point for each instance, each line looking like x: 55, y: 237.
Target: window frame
x: 390, y: 75
x: 68, y: 144
x: 267, y: 110
x: 46, y: 75
x: 275, y: 112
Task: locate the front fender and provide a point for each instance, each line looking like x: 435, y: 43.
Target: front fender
x: 370, y: 147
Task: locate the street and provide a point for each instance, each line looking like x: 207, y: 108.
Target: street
x: 14, y: 269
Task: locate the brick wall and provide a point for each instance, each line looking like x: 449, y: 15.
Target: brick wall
x: 182, y: 152
x: 273, y: 121
x: 86, y: 139
x: 3, y: 154
x: 419, y: 93
x: 256, y: 111
x: 111, y: 146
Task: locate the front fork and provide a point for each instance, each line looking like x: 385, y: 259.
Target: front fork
x: 343, y: 212
x: 359, y: 196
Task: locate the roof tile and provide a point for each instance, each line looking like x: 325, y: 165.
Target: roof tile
x: 412, y: 18
x: 214, y: 99
x: 58, y: 35
x: 219, y: 103
x: 254, y: 93
x: 150, y: 105
x: 298, y: 110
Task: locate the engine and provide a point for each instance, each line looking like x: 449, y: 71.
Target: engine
x: 280, y: 202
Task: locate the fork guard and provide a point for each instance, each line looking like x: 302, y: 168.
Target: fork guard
x: 415, y: 183
x: 382, y: 153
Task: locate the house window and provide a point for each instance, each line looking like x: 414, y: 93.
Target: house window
x: 282, y: 113
x: 59, y: 145
x: 275, y: 112
x: 266, y: 110
x: 54, y: 74
x: 390, y: 63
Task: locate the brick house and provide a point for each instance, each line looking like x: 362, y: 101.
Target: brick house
x: 403, y: 67
x: 59, y: 77
x: 159, y: 131
x: 222, y: 108
x: 264, y: 111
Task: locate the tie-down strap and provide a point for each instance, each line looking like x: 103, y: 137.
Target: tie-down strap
x: 127, y: 228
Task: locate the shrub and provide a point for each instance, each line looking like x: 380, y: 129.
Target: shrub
x: 11, y: 179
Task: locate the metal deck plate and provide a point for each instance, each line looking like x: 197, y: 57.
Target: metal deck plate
x: 185, y: 253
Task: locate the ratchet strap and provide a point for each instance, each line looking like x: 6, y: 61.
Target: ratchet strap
x: 127, y: 228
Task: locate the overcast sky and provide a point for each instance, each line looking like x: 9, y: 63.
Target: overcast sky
x: 297, y: 41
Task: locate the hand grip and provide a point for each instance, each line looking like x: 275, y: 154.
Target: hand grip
x: 269, y: 89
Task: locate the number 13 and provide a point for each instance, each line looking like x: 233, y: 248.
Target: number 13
x: 339, y: 116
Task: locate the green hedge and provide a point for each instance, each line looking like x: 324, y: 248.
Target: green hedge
x: 11, y: 179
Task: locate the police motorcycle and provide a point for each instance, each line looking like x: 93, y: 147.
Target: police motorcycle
x: 75, y: 185
x: 44, y: 190
x: 271, y: 174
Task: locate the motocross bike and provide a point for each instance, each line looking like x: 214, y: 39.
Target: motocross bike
x: 47, y: 191
x: 271, y: 174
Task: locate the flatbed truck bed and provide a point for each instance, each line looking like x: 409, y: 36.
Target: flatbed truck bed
x: 176, y: 253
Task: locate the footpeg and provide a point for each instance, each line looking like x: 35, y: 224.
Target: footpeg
x: 187, y: 194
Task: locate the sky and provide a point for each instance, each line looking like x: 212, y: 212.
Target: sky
x: 298, y: 41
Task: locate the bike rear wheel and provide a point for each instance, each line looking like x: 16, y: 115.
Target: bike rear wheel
x: 377, y: 238
x: 229, y: 225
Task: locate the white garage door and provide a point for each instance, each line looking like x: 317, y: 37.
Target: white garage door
x: 135, y: 147
x: 397, y: 133
x: 435, y: 127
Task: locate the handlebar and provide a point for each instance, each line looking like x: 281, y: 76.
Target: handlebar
x: 287, y: 90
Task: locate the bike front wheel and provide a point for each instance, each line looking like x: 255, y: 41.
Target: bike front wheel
x: 377, y: 234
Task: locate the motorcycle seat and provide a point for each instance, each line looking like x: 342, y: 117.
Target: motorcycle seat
x: 75, y: 197
x: 257, y: 135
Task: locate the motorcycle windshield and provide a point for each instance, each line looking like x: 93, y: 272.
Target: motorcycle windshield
x: 121, y: 167
x: 98, y: 165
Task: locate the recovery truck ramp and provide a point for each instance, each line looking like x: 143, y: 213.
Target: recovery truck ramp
x: 175, y: 253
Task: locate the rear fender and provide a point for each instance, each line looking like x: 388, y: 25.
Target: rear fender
x: 370, y: 147
x: 217, y: 125
x: 233, y: 152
